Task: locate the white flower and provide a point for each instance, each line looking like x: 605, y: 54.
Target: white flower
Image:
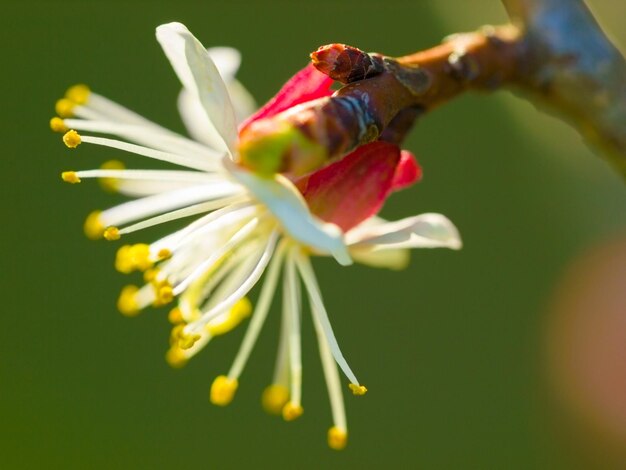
x: 247, y: 225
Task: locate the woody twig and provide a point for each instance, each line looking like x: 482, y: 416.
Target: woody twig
x: 554, y: 52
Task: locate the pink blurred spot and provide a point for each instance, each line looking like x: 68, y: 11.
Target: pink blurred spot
x: 587, y: 343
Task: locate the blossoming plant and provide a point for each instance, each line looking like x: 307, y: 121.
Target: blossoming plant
x: 246, y: 224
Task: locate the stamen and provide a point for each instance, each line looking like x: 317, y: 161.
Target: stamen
x: 235, y: 213
x: 191, y: 298
x: 176, y: 335
x: 237, y: 238
x: 237, y: 313
x: 358, y: 389
x: 331, y: 374
x: 315, y: 298
x: 72, y: 139
x: 133, y: 257
x: 111, y: 233
x: 150, y: 275
x: 110, y: 184
x: 184, y: 344
x: 70, y: 177
x: 146, y: 296
x: 184, y: 212
x: 274, y: 398
x: 65, y: 108
x: 161, y: 203
x: 175, y: 357
x: 260, y: 314
x: 337, y: 438
x: 164, y: 254
x: 140, y: 253
x: 123, y: 261
x: 93, y: 227
x: 292, y: 411
x: 175, y: 316
x: 173, y: 158
x: 187, y: 340
x: 127, y: 302
x: 79, y: 94
x: 116, y: 170
x: 164, y: 295
x: 158, y: 139
x: 112, y: 111
x: 244, y: 287
x: 58, y: 125
x: 223, y: 390
x: 281, y: 367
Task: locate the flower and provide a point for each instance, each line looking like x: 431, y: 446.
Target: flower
x: 247, y: 224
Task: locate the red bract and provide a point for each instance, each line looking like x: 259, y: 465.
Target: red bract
x: 355, y: 188
x: 408, y: 171
x: 306, y: 85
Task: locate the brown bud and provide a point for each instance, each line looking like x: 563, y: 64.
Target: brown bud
x: 347, y: 64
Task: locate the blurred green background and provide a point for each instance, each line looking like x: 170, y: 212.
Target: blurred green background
x: 450, y: 349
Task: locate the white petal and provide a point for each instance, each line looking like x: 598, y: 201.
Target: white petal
x: 421, y: 231
x: 199, y: 76
x: 284, y: 201
x: 196, y: 120
x: 227, y: 60
x: 198, y: 124
x: 395, y: 259
x: 242, y: 101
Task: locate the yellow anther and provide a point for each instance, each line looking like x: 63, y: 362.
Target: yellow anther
x: 123, y: 261
x: 71, y: 139
x: 58, y: 125
x: 65, y: 107
x: 176, y: 334
x: 358, y: 389
x: 164, y: 253
x: 337, y: 438
x: 223, y: 390
x: 140, y: 255
x: 186, y: 341
x: 239, y: 311
x: 127, y: 302
x: 242, y: 308
x: 274, y: 398
x: 132, y: 257
x: 79, y: 94
x: 111, y: 184
x: 111, y: 234
x: 93, y: 226
x: 292, y: 411
x: 175, y: 316
x: 150, y: 275
x: 175, y: 357
x: 164, y: 295
x: 70, y: 177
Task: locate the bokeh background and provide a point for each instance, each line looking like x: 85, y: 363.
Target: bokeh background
x: 457, y: 351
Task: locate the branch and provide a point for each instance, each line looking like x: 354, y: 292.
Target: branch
x: 385, y: 90
x: 555, y: 53
x: 573, y: 67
